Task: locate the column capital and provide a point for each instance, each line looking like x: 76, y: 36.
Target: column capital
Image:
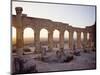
x: 71, y: 31
x: 62, y: 31
x: 78, y: 31
x: 50, y: 31
x: 85, y: 32
x: 36, y: 30
x: 19, y: 10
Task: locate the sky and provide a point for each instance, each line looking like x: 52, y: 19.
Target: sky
x: 75, y: 15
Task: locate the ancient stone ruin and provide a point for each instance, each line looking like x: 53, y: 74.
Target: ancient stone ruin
x: 21, y: 21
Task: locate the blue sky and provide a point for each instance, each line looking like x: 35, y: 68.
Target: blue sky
x: 75, y: 15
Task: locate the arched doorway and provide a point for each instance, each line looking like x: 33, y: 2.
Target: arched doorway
x: 88, y: 41
x: 88, y: 36
x: 13, y: 36
x: 56, y: 34
x: 28, y: 36
x: 44, y: 37
x: 66, y: 39
x: 75, y: 39
x: 82, y: 37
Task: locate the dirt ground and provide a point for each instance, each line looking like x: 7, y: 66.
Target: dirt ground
x: 84, y: 61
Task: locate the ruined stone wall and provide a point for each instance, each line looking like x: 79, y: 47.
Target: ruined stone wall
x: 21, y: 21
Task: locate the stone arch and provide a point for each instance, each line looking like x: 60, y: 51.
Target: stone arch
x: 66, y: 38
x: 28, y: 35
x: 66, y: 35
x: 75, y: 35
x: 88, y: 36
x: 29, y: 26
x: 75, y: 38
x: 14, y: 35
x: 82, y: 35
x: 44, y: 36
x: 56, y: 34
x: 88, y: 39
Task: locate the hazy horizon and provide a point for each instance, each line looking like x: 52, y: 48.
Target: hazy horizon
x: 42, y: 40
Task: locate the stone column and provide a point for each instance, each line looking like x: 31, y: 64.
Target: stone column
x: 19, y: 29
x: 78, y: 39
x: 90, y: 39
x: 50, y: 40
x: 37, y: 40
x: 70, y: 39
x: 61, y: 39
x: 85, y: 39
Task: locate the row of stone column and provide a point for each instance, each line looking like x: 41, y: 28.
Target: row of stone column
x: 61, y: 39
x: 78, y: 43
x: 20, y: 42
x: 50, y: 39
